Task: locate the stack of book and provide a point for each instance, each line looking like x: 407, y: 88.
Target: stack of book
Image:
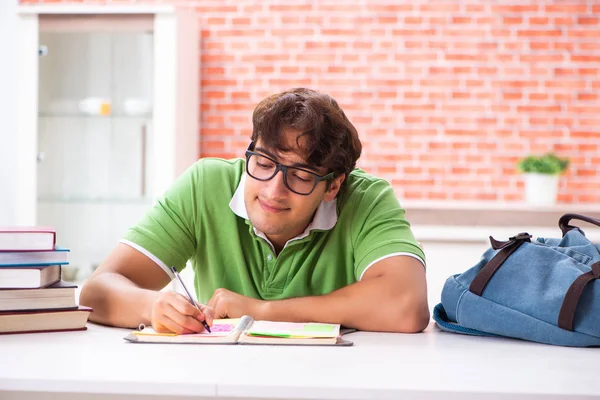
x: 33, y: 298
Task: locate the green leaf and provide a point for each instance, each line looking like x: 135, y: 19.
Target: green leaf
x: 548, y: 164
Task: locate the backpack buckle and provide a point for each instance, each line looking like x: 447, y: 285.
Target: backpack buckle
x: 521, y: 236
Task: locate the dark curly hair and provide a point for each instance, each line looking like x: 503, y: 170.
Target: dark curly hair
x: 331, y: 139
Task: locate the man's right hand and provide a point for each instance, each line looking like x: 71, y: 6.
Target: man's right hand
x: 125, y: 290
x: 172, y: 312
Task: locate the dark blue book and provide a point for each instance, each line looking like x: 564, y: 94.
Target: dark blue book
x: 57, y: 256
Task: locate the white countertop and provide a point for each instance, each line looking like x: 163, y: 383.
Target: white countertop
x: 98, y: 363
x: 481, y: 234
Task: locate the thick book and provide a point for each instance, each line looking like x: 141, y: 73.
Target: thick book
x: 27, y: 238
x: 44, y: 320
x: 43, y: 257
x: 60, y: 295
x: 29, y: 277
x: 246, y: 330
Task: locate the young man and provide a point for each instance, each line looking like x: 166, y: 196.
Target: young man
x: 293, y: 232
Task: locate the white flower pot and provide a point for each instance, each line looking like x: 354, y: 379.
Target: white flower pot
x: 541, y: 189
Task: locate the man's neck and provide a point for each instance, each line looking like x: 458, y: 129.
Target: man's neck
x: 279, y: 242
x: 277, y: 248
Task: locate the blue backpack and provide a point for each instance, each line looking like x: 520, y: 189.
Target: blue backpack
x: 546, y: 291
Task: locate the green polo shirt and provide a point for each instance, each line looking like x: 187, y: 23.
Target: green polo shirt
x: 202, y: 218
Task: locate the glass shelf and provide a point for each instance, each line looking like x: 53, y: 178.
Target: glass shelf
x: 105, y: 117
x: 106, y: 200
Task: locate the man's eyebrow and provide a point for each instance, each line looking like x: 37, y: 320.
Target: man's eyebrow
x: 296, y: 164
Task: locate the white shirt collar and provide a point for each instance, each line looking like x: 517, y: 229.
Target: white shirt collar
x: 325, y: 218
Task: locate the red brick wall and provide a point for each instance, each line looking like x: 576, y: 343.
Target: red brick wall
x: 446, y: 95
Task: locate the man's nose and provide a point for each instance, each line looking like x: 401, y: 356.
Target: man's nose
x: 275, y: 186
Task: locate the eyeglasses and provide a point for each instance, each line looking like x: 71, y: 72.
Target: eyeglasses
x: 298, y: 180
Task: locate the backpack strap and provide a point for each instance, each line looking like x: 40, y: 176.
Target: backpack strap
x: 482, y: 278
x: 563, y: 222
x: 569, y: 304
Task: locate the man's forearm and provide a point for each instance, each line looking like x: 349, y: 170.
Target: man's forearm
x: 117, y: 301
x: 367, y: 305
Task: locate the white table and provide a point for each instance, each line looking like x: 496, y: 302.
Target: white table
x: 99, y: 364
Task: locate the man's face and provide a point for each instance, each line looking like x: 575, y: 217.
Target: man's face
x: 274, y: 209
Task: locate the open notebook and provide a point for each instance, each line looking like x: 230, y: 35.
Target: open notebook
x: 247, y: 331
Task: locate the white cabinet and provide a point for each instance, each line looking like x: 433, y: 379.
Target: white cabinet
x: 95, y: 116
x: 116, y: 104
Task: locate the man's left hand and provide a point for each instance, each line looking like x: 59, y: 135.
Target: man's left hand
x: 228, y: 304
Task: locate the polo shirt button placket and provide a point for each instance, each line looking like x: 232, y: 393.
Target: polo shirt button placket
x: 268, y: 271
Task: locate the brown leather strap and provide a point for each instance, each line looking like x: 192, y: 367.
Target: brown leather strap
x: 563, y: 222
x: 482, y: 278
x: 569, y: 304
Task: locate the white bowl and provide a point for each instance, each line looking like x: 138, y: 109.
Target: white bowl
x: 137, y: 106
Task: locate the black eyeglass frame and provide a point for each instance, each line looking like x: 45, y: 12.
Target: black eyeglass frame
x: 284, y: 170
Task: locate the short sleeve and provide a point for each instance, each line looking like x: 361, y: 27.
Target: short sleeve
x: 380, y: 227
x: 167, y: 229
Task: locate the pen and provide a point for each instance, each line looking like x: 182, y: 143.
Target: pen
x: 190, y: 298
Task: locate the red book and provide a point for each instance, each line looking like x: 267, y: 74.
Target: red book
x: 44, y: 320
x: 60, y: 295
x: 27, y: 238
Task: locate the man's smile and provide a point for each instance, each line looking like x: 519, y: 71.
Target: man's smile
x: 272, y: 208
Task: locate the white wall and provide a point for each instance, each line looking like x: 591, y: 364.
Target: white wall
x: 18, y: 115
x: 8, y: 112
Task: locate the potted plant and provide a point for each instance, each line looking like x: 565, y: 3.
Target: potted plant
x: 541, y: 177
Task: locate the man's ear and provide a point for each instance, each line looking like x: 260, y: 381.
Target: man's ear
x: 334, y: 187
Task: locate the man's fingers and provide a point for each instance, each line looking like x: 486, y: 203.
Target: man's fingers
x: 220, y: 310
x: 218, y: 303
x: 166, y: 324
x: 191, y: 322
x: 183, y: 305
x: 212, y: 303
x: 173, y: 312
x: 209, y: 314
